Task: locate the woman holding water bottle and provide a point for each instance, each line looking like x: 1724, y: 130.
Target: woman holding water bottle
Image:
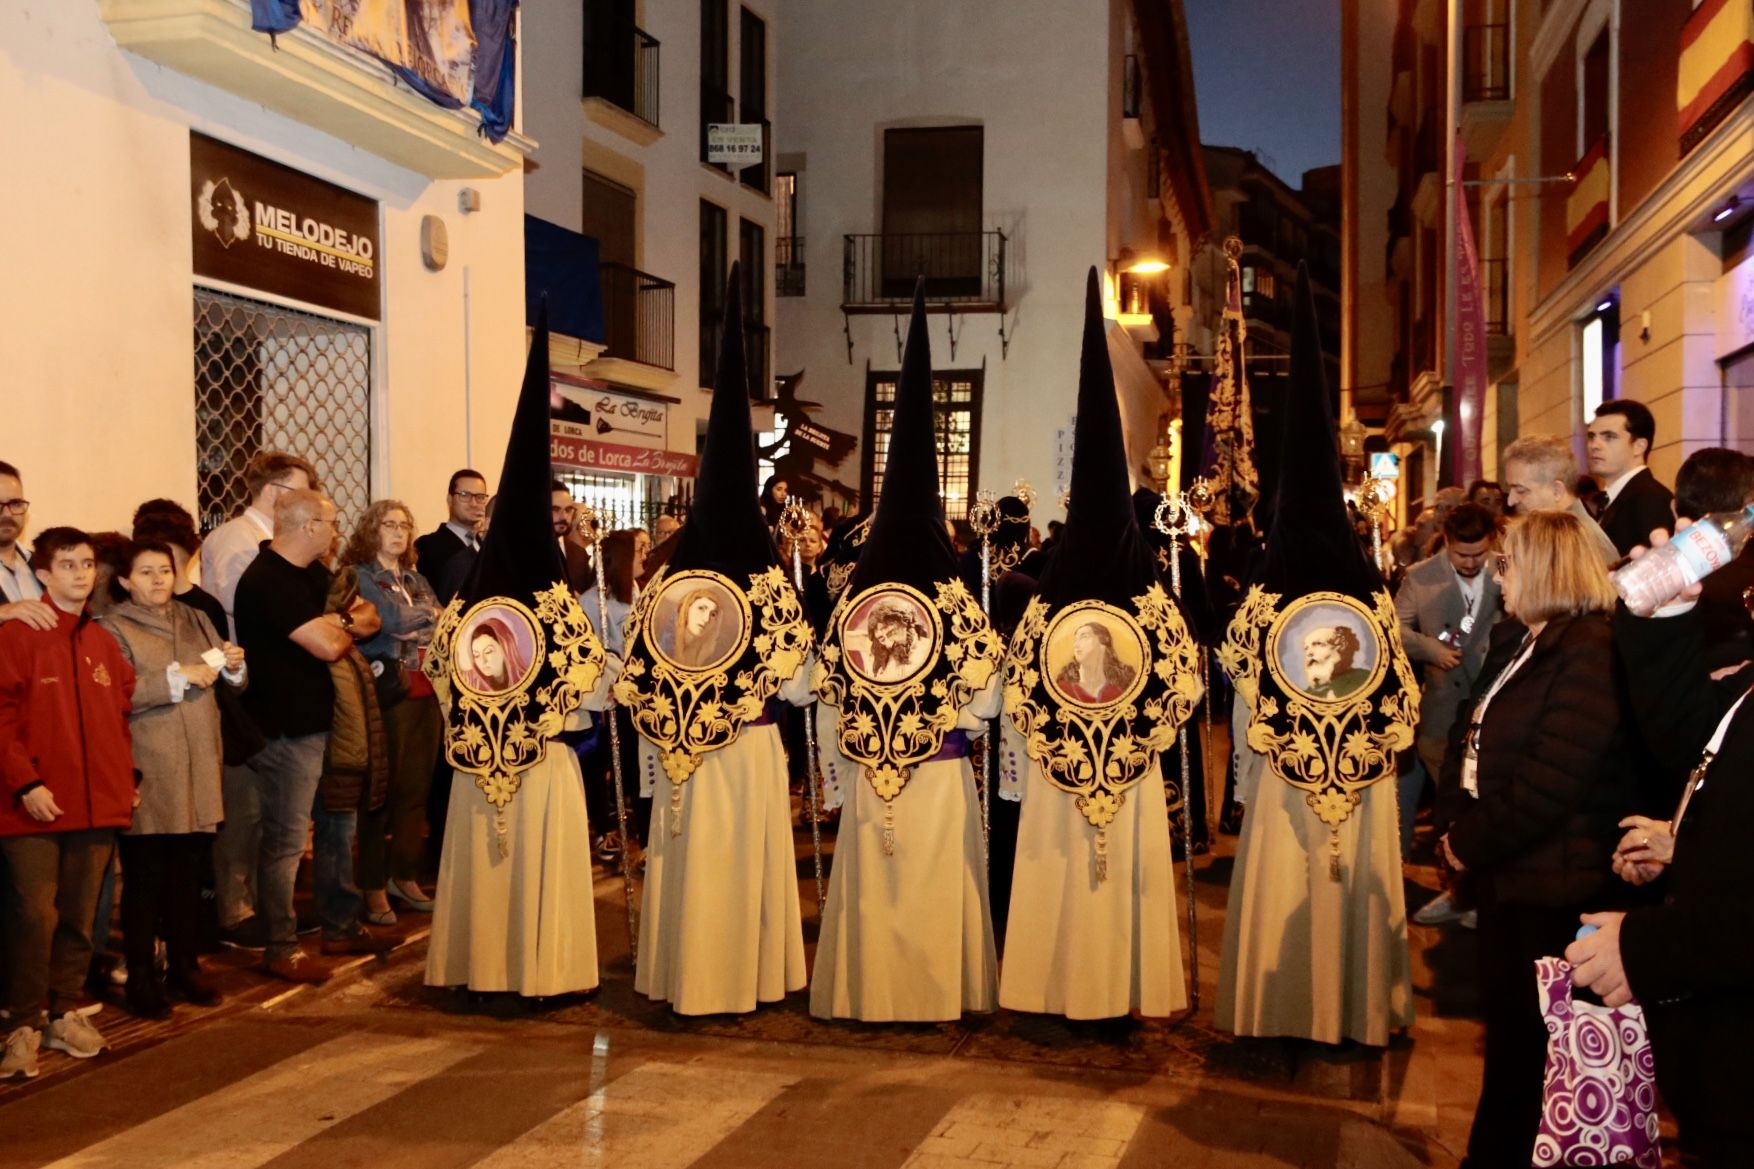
x: 1534, y: 789
x: 1690, y: 960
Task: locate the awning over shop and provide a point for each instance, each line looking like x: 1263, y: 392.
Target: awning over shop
x: 563, y: 264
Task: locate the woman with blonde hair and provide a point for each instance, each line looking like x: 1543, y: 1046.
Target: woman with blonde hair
x: 1533, y: 792
x: 392, y: 841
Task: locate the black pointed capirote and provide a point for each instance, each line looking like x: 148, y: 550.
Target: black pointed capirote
x: 908, y: 543
x: 725, y: 531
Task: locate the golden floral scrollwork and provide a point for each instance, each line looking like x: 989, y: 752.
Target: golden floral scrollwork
x: 688, y: 704
x: 1330, y: 739
x: 495, y: 732
x: 887, y: 726
x: 1097, y: 745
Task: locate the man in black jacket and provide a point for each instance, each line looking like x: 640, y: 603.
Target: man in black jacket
x: 1690, y: 960
x: 1716, y: 479
x: 466, y: 499
x: 1618, y: 443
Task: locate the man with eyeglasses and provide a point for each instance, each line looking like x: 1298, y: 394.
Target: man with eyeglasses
x: 21, y: 594
x: 290, y: 637
x: 233, y: 545
x: 466, y: 499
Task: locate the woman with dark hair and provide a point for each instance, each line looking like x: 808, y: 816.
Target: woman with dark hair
x: 623, y: 562
x: 1094, y: 674
x: 177, y: 751
x: 774, y: 494
x: 392, y: 840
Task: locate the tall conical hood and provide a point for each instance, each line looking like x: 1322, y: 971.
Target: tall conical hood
x: 520, y: 556
x: 725, y: 530
x: 1312, y: 546
x: 908, y: 543
x: 1101, y: 555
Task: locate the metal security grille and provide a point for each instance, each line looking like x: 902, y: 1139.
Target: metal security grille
x: 957, y: 397
x: 273, y: 378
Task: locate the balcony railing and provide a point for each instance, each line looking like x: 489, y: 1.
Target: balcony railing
x: 1495, y: 284
x: 621, y: 63
x: 788, y: 265
x: 639, y: 316
x: 760, y: 176
x: 1132, y: 87
x: 961, y: 268
x: 755, y: 356
x: 1486, y: 62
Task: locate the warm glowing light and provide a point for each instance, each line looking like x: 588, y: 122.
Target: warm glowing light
x: 1148, y: 266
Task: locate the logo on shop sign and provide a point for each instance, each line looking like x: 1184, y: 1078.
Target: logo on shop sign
x: 222, y: 211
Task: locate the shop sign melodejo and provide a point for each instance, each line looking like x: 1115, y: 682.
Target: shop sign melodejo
x: 266, y: 226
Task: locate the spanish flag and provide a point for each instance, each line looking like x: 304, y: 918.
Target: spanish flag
x: 1717, y: 54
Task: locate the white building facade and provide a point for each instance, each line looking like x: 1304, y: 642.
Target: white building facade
x: 919, y: 138
x: 356, y: 313
x: 619, y: 94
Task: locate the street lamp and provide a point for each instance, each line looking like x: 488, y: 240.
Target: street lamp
x: 1352, y: 447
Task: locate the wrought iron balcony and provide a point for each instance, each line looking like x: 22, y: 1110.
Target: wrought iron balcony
x: 788, y: 265
x: 639, y: 316
x: 964, y: 270
x: 1486, y: 62
x: 621, y: 62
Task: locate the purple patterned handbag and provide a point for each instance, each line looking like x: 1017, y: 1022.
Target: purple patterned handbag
x: 1599, y: 1102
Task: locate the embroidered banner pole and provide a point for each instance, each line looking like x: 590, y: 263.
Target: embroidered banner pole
x: 794, y: 521
x: 1175, y: 518
x: 595, y: 521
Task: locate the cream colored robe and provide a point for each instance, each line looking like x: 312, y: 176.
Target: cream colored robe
x: 525, y: 921
x: 907, y: 937
x: 720, y: 926
x: 1080, y: 947
x: 1306, y: 955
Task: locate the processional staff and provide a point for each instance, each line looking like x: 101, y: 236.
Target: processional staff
x: 983, y: 517
x: 1176, y: 518
x: 597, y: 521
x: 794, y: 522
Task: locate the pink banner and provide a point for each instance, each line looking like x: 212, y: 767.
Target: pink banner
x: 1470, y: 336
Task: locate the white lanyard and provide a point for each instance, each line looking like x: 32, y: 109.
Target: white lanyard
x: 1471, y: 741
x: 1696, y: 777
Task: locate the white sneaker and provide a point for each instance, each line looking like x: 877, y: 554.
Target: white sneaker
x: 21, y: 1054
x: 74, y: 1034
x: 1437, y: 911
x: 1470, y: 920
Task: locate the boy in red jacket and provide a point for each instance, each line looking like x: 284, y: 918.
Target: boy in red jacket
x: 66, y: 787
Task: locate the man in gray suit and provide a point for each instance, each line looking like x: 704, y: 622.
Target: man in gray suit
x: 1447, y: 605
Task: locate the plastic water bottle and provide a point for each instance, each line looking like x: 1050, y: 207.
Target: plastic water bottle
x: 1692, y: 554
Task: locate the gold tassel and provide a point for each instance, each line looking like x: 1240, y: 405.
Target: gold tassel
x: 675, y: 809
x: 1101, y: 854
x: 888, y: 828
x: 1334, y: 854
x: 501, y: 834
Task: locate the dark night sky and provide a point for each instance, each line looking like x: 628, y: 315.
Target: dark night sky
x: 1267, y: 77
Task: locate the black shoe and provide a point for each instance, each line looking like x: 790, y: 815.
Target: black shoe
x: 145, y: 998
x: 248, y: 934
x: 192, y: 987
